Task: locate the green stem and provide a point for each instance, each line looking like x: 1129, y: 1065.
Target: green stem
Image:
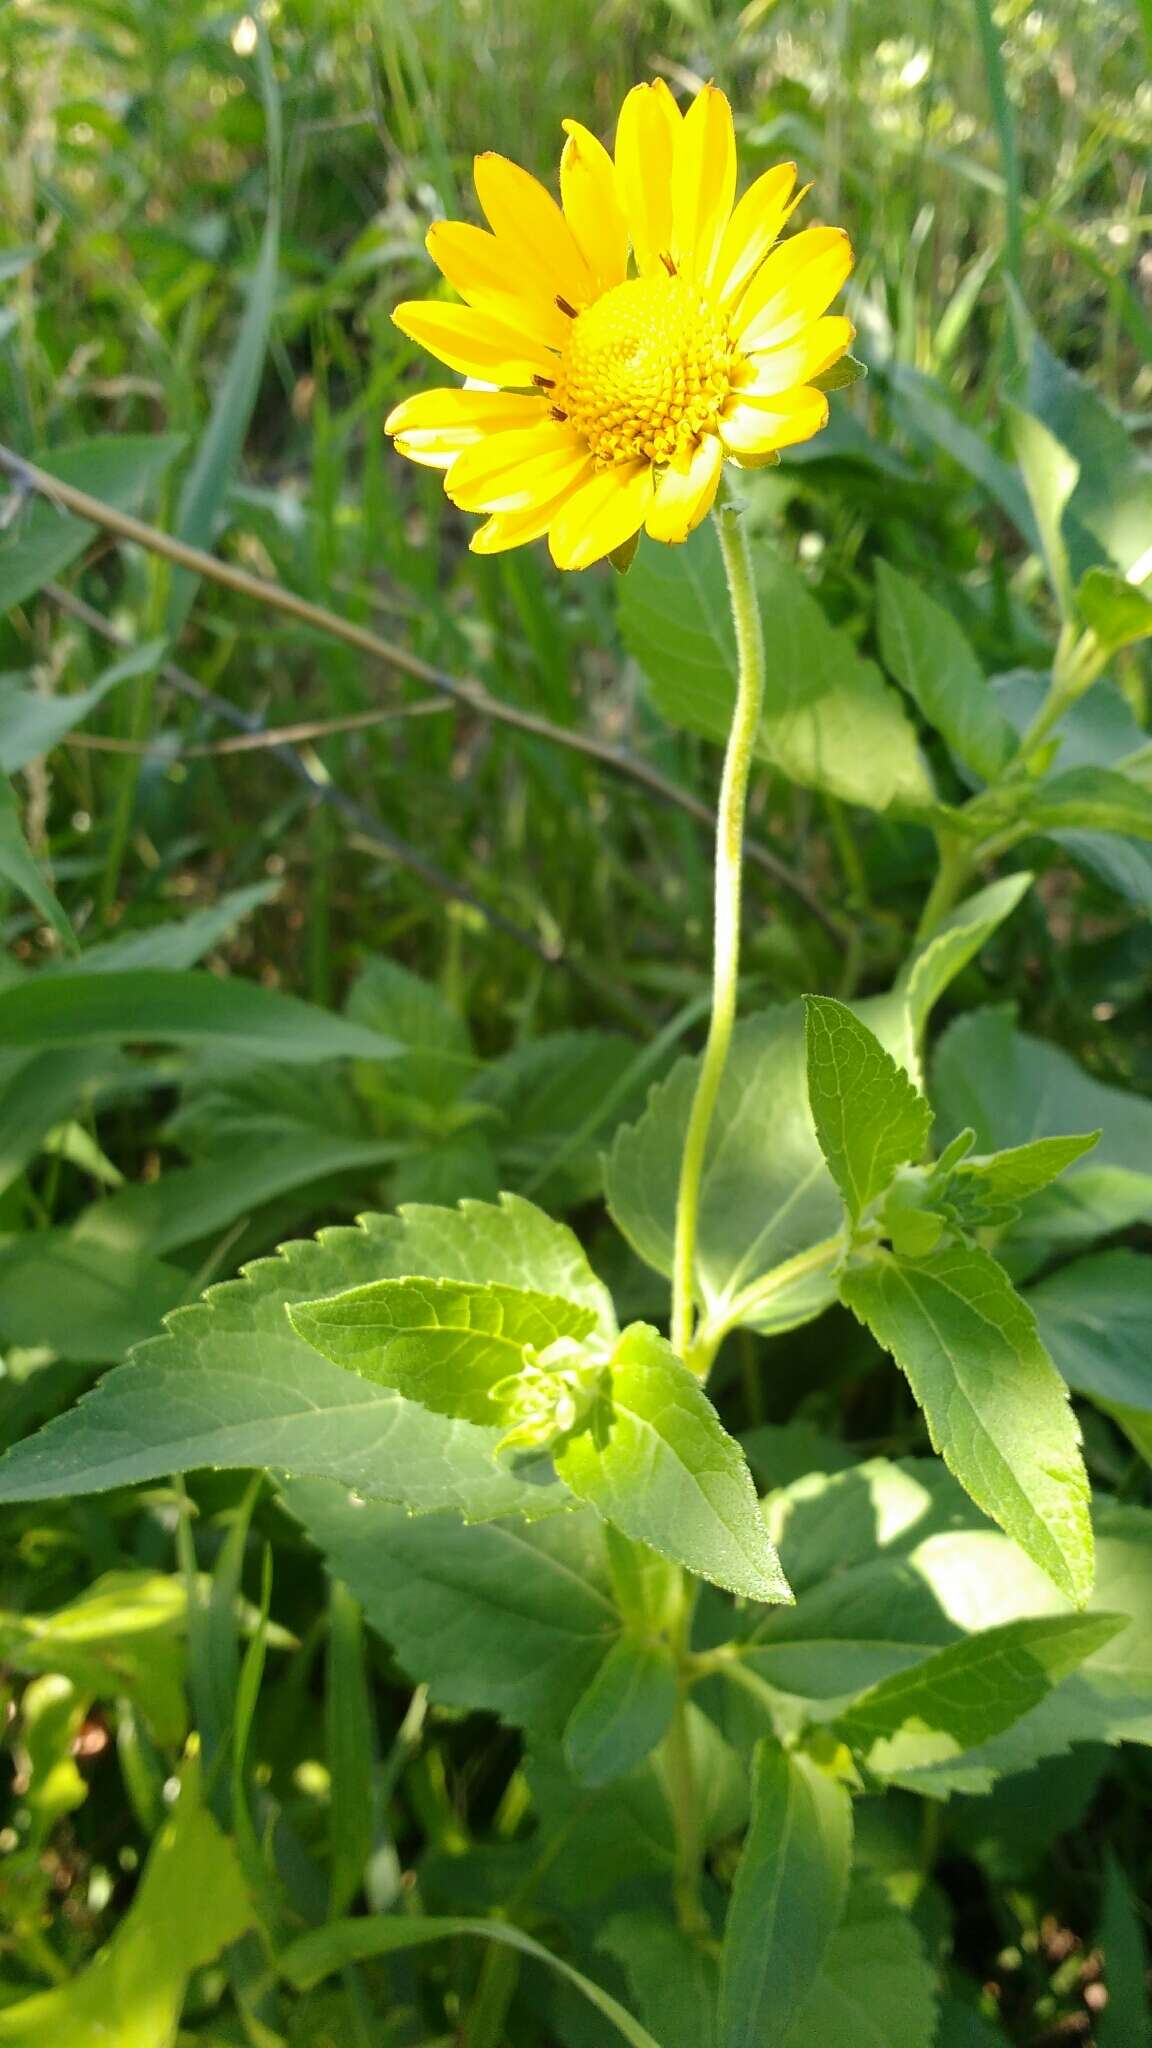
x: 726, y: 929
x: 956, y: 862
x: 685, y: 1804
x: 816, y: 1259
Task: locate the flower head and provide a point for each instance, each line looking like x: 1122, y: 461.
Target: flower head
x: 626, y: 343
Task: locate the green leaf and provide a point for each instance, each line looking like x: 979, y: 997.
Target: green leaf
x: 1023, y: 1170
x: 119, y: 1639
x: 624, y: 1713
x: 189, y: 1203
x: 232, y: 1385
x: 177, y: 945
x: 876, y: 1989
x: 119, y: 469
x: 1095, y: 799
x: 899, y: 1019
x: 996, y: 1408
x: 969, y: 1691
x: 671, y: 1978
x: 869, y: 1117
x: 1012, y: 1088
x: 444, y: 1343
x: 84, y: 1301
x: 1051, y: 474
x: 191, y: 1903
x: 766, y: 1194
x: 179, y: 1008
x: 924, y: 648
x: 316, y: 1955
x: 830, y: 721
x: 1094, y: 1316
x: 921, y: 406
x: 654, y: 1458
x: 1126, y: 2021
x: 439, y: 1058
x: 841, y: 376
x: 892, y: 1562
x: 1118, y: 612
x: 1113, y: 499
x: 31, y: 723
x: 21, y: 871
x: 502, y: 1617
x: 787, y: 1897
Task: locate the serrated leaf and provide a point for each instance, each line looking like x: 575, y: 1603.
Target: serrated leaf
x: 232, y: 1385
x: 787, y: 1897
x: 830, y: 722
x: 624, y: 1713
x: 443, y: 1343
x: 869, y: 1117
x: 499, y: 1617
x: 654, y: 1458
x: 876, y: 1989
x: 996, y: 1408
x: 969, y: 1691
x: 924, y: 648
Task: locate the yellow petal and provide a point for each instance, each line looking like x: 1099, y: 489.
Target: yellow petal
x: 474, y: 342
x: 512, y: 472
x: 685, y: 492
x: 527, y: 220
x: 753, y: 228
x: 601, y: 515
x: 513, y: 529
x: 703, y: 182
x: 592, y: 210
x: 798, y: 282
x: 646, y: 135
x: 479, y: 411
x: 485, y: 273
x: 815, y: 349
x: 756, y: 430
x: 434, y: 427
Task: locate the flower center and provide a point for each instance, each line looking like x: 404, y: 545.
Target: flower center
x: 646, y: 370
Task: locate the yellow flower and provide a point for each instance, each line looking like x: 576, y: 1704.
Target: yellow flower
x: 611, y: 396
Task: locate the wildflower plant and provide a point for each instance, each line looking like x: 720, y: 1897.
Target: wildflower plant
x: 628, y: 353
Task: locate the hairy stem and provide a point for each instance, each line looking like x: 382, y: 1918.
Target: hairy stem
x: 726, y: 930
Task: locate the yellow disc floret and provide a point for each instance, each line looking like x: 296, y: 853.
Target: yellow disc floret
x: 646, y: 370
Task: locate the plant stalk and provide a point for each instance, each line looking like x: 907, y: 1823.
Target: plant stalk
x: 726, y: 928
